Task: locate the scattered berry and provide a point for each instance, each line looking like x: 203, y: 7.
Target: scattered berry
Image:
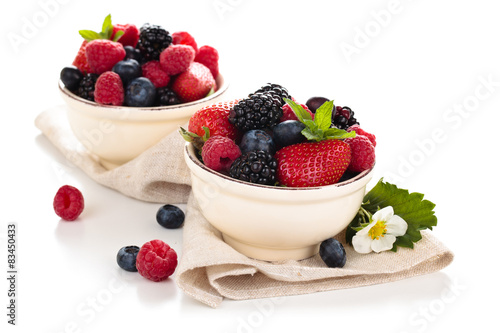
x: 219, y: 152
x: 288, y: 133
x: 128, y: 70
x: 68, y: 203
x: 184, y: 38
x: 257, y: 167
x: 360, y: 131
x: 175, y: 59
x: 333, y: 253
x: 86, y: 88
x: 288, y: 113
x: 103, y: 54
x: 314, y: 103
x: 170, y: 216
x: 126, y: 258
x: 132, y: 53
x: 156, y: 260
x: 130, y: 35
x: 155, y: 73
x: 71, y: 77
x: 258, y: 111
x: 363, y: 153
x: 140, y: 93
x: 153, y: 39
x: 165, y: 96
x: 193, y: 84
x: 209, y: 57
x: 81, y: 59
x: 109, y: 89
x: 257, y: 140
x: 215, y: 118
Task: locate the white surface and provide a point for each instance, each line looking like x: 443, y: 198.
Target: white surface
x: 407, y: 83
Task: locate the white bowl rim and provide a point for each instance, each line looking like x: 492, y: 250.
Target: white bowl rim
x: 189, y: 147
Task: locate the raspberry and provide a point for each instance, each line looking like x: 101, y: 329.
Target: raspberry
x: 103, y: 54
x: 362, y: 153
x: 130, y: 34
x: 184, y: 38
x: 209, y: 57
x: 288, y: 113
x: 175, y: 59
x: 219, y: 152
x: 109, y: 89
x: 68, y: 203
x: 156, y: 260
x: 80, y: 61
x: 359, y: 131
x: 155, y: 73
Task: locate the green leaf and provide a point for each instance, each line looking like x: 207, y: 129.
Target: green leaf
x: 117, y: 36
x: 298, y: 110
x: 89, y: 35
x: 107, y: 25
x: 336, y: 133
x: 323, y: 115
x: 212, y: 90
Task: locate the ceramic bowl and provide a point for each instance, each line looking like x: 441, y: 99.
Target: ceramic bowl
x: 274, y: 223
x: 118, y: 134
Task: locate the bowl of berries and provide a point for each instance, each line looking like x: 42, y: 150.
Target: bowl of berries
x: 129, y: 87
x: 275, y: 177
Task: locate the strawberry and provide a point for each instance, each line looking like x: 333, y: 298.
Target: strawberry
x: 320, y: 161
x: 130, y: 34
x: 81, y: 59
x: 103, y: 54
x: 194, y: 83
x: 215, y: 119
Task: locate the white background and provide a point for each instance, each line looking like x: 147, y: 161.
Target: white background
x: 407, y: 76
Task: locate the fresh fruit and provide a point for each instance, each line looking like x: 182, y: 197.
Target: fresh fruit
x: 155, y: 73
x: 184, y: 38
x: 257, y: 140
x: 275, y: 89
x: 258, y: 111
x: 156, y: 260
x: 165, y: 96
x: 126, y: 258
x: 109, y: 89
x: 132, y: 53
x: 360, y: 131
x: 80, y: 61
x: 103, y: 54
x: 332, y: 252
x: 257, y: 167
x: 363, y: 153
x: 288, y: 113
x: 176, y: 59
x: 209, y: 57
x: 343, y: 117
x: 130, y: 35
x: 193, y: 84
x: 288, y: 133
x: 219, y: 152
x: 153, y: 39
x: 170, y: 216
x: 86, y: 88
x: 71, y: 77
x: 140, y: 93
x: 215, y: 118
x: 128, y: 70
x: 315, y: 102
x: 68, y: 203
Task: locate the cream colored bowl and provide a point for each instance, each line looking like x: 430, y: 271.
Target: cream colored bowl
x: 118, y: 134
x: 274, y: 223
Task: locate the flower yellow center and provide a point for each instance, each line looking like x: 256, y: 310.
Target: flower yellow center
x: 378, y: 230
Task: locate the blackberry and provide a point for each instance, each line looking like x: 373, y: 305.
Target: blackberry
x: 166, y: 96
x: 86, y: 87
x: 258, y: 111
x: 277, y: 90
x: 256, y: 166
x: 152, y: 40
x: 343, y: 117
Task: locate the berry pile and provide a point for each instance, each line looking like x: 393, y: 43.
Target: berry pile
x: 124, y: 65
x: 268, y: 138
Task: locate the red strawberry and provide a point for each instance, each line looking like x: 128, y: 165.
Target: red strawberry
x: 209, y: 57
x: 194, y: 83
x: 130, y: 34
x: 109, y: 89
x: 182, y: 37
x: 81, y: 59
x: 103, y: 54
x: 215, y: 118
x: 311, y: 164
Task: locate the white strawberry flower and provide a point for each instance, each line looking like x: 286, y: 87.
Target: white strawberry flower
x: 381, y: 233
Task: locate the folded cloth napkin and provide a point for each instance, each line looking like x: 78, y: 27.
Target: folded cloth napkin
x: 210, y: 270
x: 157, y: 175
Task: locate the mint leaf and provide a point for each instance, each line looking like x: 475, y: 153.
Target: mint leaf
x: 336, y: 133
x: 117, y: 36
x: 107, y: 26
x: 323, y: 115
x: 299, y: 111
x: 89, y: 35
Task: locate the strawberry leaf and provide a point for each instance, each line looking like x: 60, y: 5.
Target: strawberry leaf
x: 106, y: 31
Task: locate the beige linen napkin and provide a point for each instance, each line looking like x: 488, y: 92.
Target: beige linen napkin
x: 210, y: 270
x: 157, y: 175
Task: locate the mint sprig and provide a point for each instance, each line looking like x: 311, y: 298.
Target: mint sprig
x: 411, y: 207
x: 106, y: 31
x: 319, y: 128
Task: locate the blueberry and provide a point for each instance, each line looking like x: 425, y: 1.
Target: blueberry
x: 288, y: 133
x: 132, y: 53
x: 257, y: 139
x: 140, y: 92
x: 314, y: 103
x: 71, y: 77
x: 128, y: 70
x: 170, y: 216
x: 126, y: 258
x: 332, y: 252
